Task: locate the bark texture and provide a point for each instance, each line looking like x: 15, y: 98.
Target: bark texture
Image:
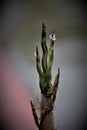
x: 48, y: 121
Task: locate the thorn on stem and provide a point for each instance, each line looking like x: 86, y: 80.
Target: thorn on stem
x: 43, y: 31
x: 34, y: 114
x: 37, y: 51
x: 58, y: 72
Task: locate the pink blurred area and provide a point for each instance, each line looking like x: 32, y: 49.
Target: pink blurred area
x: 16, y: 113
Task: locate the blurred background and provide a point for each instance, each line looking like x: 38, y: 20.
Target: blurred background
x: 20, y: 32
